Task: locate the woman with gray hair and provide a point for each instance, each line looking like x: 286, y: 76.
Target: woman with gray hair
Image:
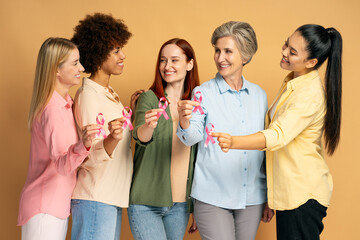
x: 229, y: 190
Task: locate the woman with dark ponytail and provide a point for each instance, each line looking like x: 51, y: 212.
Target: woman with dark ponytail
x: 298, y: 178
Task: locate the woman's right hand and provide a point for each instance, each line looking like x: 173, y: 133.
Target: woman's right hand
x: 185, y: 108
x: 116, y: 128
x: 151, y: 118
x: 88, y: 133
x: 224, y: 139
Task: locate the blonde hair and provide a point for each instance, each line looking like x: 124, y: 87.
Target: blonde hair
x: 53, y: 53
x: 243, y: 34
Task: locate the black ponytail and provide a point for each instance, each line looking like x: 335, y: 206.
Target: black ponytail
x: 325, y: 44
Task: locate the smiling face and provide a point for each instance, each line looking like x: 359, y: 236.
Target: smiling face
x: 68, y: 73
x: 228, y: 58
x: 114, y: 64
x: 174, y: 65
x: 294, y: 56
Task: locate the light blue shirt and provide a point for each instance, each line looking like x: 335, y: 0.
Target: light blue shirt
x: 235, y: 179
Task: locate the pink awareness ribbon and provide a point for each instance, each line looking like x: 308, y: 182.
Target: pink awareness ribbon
x: 101, y: 120
x: 163, y: 107
x: 199, y: 101
x: 209, y: 137
x: 128, y: 118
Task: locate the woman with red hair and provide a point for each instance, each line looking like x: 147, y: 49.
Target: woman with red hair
x: 163, y: 166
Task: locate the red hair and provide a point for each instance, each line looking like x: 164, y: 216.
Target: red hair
x: 192, y: 76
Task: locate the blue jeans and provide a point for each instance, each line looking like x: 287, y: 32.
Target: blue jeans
x: 160, y: 223
x: 95, y: 220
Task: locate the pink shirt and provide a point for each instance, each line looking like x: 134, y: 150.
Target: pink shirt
x: 55, y: 154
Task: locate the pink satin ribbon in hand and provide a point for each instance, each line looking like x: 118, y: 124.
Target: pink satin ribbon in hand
x: 163, y: 107
x: 209, y: 137
x: 101, y: 120
x: 199, y: 101
x: 128, y: 118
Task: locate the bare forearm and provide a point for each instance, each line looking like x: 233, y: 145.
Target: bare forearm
x: 254, y: 141
x: 145, y: 133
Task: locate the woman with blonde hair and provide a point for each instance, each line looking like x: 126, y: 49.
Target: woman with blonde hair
x: 55, y: 152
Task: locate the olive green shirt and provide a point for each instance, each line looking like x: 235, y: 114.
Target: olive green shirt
x: 151, y: 184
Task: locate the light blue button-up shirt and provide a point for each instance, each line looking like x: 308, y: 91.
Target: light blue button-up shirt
x: 235, y: 179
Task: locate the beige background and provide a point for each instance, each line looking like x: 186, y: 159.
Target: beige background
x: 24, y: 25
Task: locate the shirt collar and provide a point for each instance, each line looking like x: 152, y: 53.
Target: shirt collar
x: 101, y: 89
x: 303, y: 80
x: 60, y: 101
x: 224, y: 87
x: 97, y: 87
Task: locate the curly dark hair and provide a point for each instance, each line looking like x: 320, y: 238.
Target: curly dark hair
x: 96, y: 36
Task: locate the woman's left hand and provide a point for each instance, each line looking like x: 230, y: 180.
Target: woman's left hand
x: 134, y: 98
x: 193, y: 228
x: 267, y: 214
x: 224, y: 139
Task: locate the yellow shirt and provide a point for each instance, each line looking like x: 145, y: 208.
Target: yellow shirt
x: 296, y: 168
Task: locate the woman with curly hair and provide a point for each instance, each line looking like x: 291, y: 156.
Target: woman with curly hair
x: 103, y: 184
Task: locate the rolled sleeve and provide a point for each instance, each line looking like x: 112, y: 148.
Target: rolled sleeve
x: 292, y: 122
x: 143, y: 105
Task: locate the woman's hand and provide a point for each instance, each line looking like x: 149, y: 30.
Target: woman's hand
x: 88, y: 133
x: 185, y: 108
x: 151, y: 119
x: 267, y: 214
x: 134, y: 98
x: 145, y: 131
x: 224, y: 139
x: 116, y: 128
x: 193, y: 228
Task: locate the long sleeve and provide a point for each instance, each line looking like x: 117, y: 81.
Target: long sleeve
x: 65, y: 157
x: 55, y: 155
x: 298, y: 116
x: 144, y: 104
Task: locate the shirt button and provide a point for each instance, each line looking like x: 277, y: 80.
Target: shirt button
x: 244, y: 153
x: 242, y: 121
x: 183, y: 137
x: 244, y: 185
x: 245, y: 169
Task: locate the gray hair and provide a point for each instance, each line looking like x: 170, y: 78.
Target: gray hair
x: 243, y: 34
